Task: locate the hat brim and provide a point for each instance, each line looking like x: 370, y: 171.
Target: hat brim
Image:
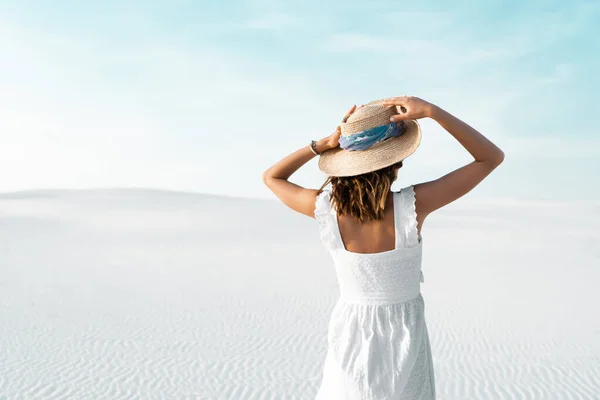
x: 340, y: 162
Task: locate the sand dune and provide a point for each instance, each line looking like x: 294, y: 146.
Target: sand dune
x: 142, y: 294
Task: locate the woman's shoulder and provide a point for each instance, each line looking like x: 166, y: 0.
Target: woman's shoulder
x: 407, y: 193
x: 406, y: 188
x: 323, y: 203
x: 325, y: 220
x: 323, y: 196
x: 408, y: 200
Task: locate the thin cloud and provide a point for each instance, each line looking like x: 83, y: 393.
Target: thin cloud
x: 274, y: 21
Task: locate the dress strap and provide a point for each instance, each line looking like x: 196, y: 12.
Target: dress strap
x: 326, y: 217
x: 405, y: 219
x: 408, y: 217
x: 410, y: 231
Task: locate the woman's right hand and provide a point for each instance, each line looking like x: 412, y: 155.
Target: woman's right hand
x: 412, y: 107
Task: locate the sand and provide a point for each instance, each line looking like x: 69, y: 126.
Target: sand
x: 141, y: 294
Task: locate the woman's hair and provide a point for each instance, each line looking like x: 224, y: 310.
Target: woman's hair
x: 362, y: 196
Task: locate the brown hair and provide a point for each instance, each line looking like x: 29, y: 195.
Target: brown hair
x: 362, y: 196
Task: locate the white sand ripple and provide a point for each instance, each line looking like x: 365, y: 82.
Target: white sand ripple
x: 139, y: 294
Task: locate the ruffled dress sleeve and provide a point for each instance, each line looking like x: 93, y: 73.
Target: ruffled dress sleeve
x: 410, y: 223
x: 409, y: 216
x: 324, y: 216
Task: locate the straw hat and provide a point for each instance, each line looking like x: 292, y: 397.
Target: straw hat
x: 342, y: 162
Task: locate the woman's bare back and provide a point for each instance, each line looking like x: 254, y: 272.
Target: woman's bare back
x: 373, y: 236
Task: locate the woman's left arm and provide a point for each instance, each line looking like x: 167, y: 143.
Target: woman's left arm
x: 295, y: 196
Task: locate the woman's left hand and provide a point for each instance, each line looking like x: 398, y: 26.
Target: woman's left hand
x: 332, y: 141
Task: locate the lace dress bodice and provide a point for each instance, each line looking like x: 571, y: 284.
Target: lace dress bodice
x: 386, y: 277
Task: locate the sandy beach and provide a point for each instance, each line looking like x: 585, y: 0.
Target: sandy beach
x: 142, y: 294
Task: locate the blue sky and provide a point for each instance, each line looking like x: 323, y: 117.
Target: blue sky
x: 203, y: 96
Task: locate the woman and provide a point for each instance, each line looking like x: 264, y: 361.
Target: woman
x: 378, y: 341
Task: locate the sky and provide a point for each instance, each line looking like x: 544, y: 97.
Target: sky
x: 204, y: 96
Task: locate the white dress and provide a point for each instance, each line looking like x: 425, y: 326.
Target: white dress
x: 378, y: 344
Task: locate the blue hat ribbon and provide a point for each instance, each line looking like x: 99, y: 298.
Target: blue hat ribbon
x: 365, y: 139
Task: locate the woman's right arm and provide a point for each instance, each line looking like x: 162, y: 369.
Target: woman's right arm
x: 487, y: 156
